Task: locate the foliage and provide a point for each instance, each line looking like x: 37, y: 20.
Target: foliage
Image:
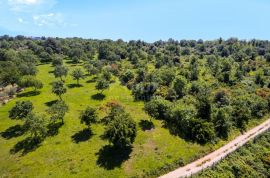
x: 60, y: 71
x: 77, y: 74
x: 88, y: 116
x: 59, y: 89
x: 30, y: 81
x: 57, y: 111
x: 179, y: 86
x: 35, y: 125
x: 121, y: 131
x: 102, y: 84
x: 222, y: 123
x: 57, y: 61
x: 91, y: 70
x: 158, y: 108
x: 21, y: 109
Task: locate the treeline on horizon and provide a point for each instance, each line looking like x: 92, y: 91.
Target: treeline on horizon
x: 201, y: 90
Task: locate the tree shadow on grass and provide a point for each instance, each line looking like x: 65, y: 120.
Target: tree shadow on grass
x: 110, y: 156
x: 28, y: 94
x: 53, y: 128
x: 91, y: 81
x: 98, y: 96
x: 82, y: 135
x: 72, y: 62
x: 13, y: 131
x: 50, y: 103
x: 27, y: 145
x: 74, y: 85
x: 146, y: 125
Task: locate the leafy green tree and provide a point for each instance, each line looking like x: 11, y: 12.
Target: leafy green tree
x: 28, y: 69
x: 57, y: 111
x: 30, y: 81
x: 202, y: 131
x: 171, y: 94
x: 180, y: 117
x: 21, y: 110
x: 195, y: 88
x: 102, y: 84
x: 91, y: 70
x: 60, y: 71
x: 59, y: 89
x: 144, y: 90
x: 106, y: 74
x: 10, y: 73
x: 115, y: 109
x: 258, y: 106
x: 37, y: 84
x: 133, y: 57
x: 222, y: 98
x: 158, y: 108
x: 222, y: 123
x: 241, y: 113
x: 88, y: 116
x: 259, y: 79
x: 57, y: 61
x: 45, y: 57
x: 194, y: 68
x: 121, y: 131
x: 76, y: 54
x: 77, y: 74
x: 204, y: 105
x: 127, y: 76
x: 179, y: 85
x: 35, y: 125
x: 267, y: 57
x: 166, y: 75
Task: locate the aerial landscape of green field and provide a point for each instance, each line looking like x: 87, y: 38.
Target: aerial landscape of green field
x: 136, y: 89
x: 165, y: 105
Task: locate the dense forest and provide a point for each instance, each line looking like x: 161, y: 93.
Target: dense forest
x: 201, y: 91
x: 252, y: 160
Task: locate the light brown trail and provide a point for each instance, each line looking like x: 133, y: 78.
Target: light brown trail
x: 219, y: 154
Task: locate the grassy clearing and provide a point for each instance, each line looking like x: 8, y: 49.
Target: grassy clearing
x: 69, y: 153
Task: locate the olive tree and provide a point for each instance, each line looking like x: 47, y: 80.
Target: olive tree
x: 35, y: 125
x: 158, y: 108
x: 60, y: 71
x: 77, y: 74
x: 121, y: 131
x: 57, y: 111
x: 179, y: 85
x: 21, y: 109
x: 102, y: 84
x: 59, y: 89
x: 30, y: 81
x: 88, y: 116
x: 91, y: 70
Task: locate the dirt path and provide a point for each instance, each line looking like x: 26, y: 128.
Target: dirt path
x: 214, y: 157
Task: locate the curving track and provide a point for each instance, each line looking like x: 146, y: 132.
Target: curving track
x: 216, y: 156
